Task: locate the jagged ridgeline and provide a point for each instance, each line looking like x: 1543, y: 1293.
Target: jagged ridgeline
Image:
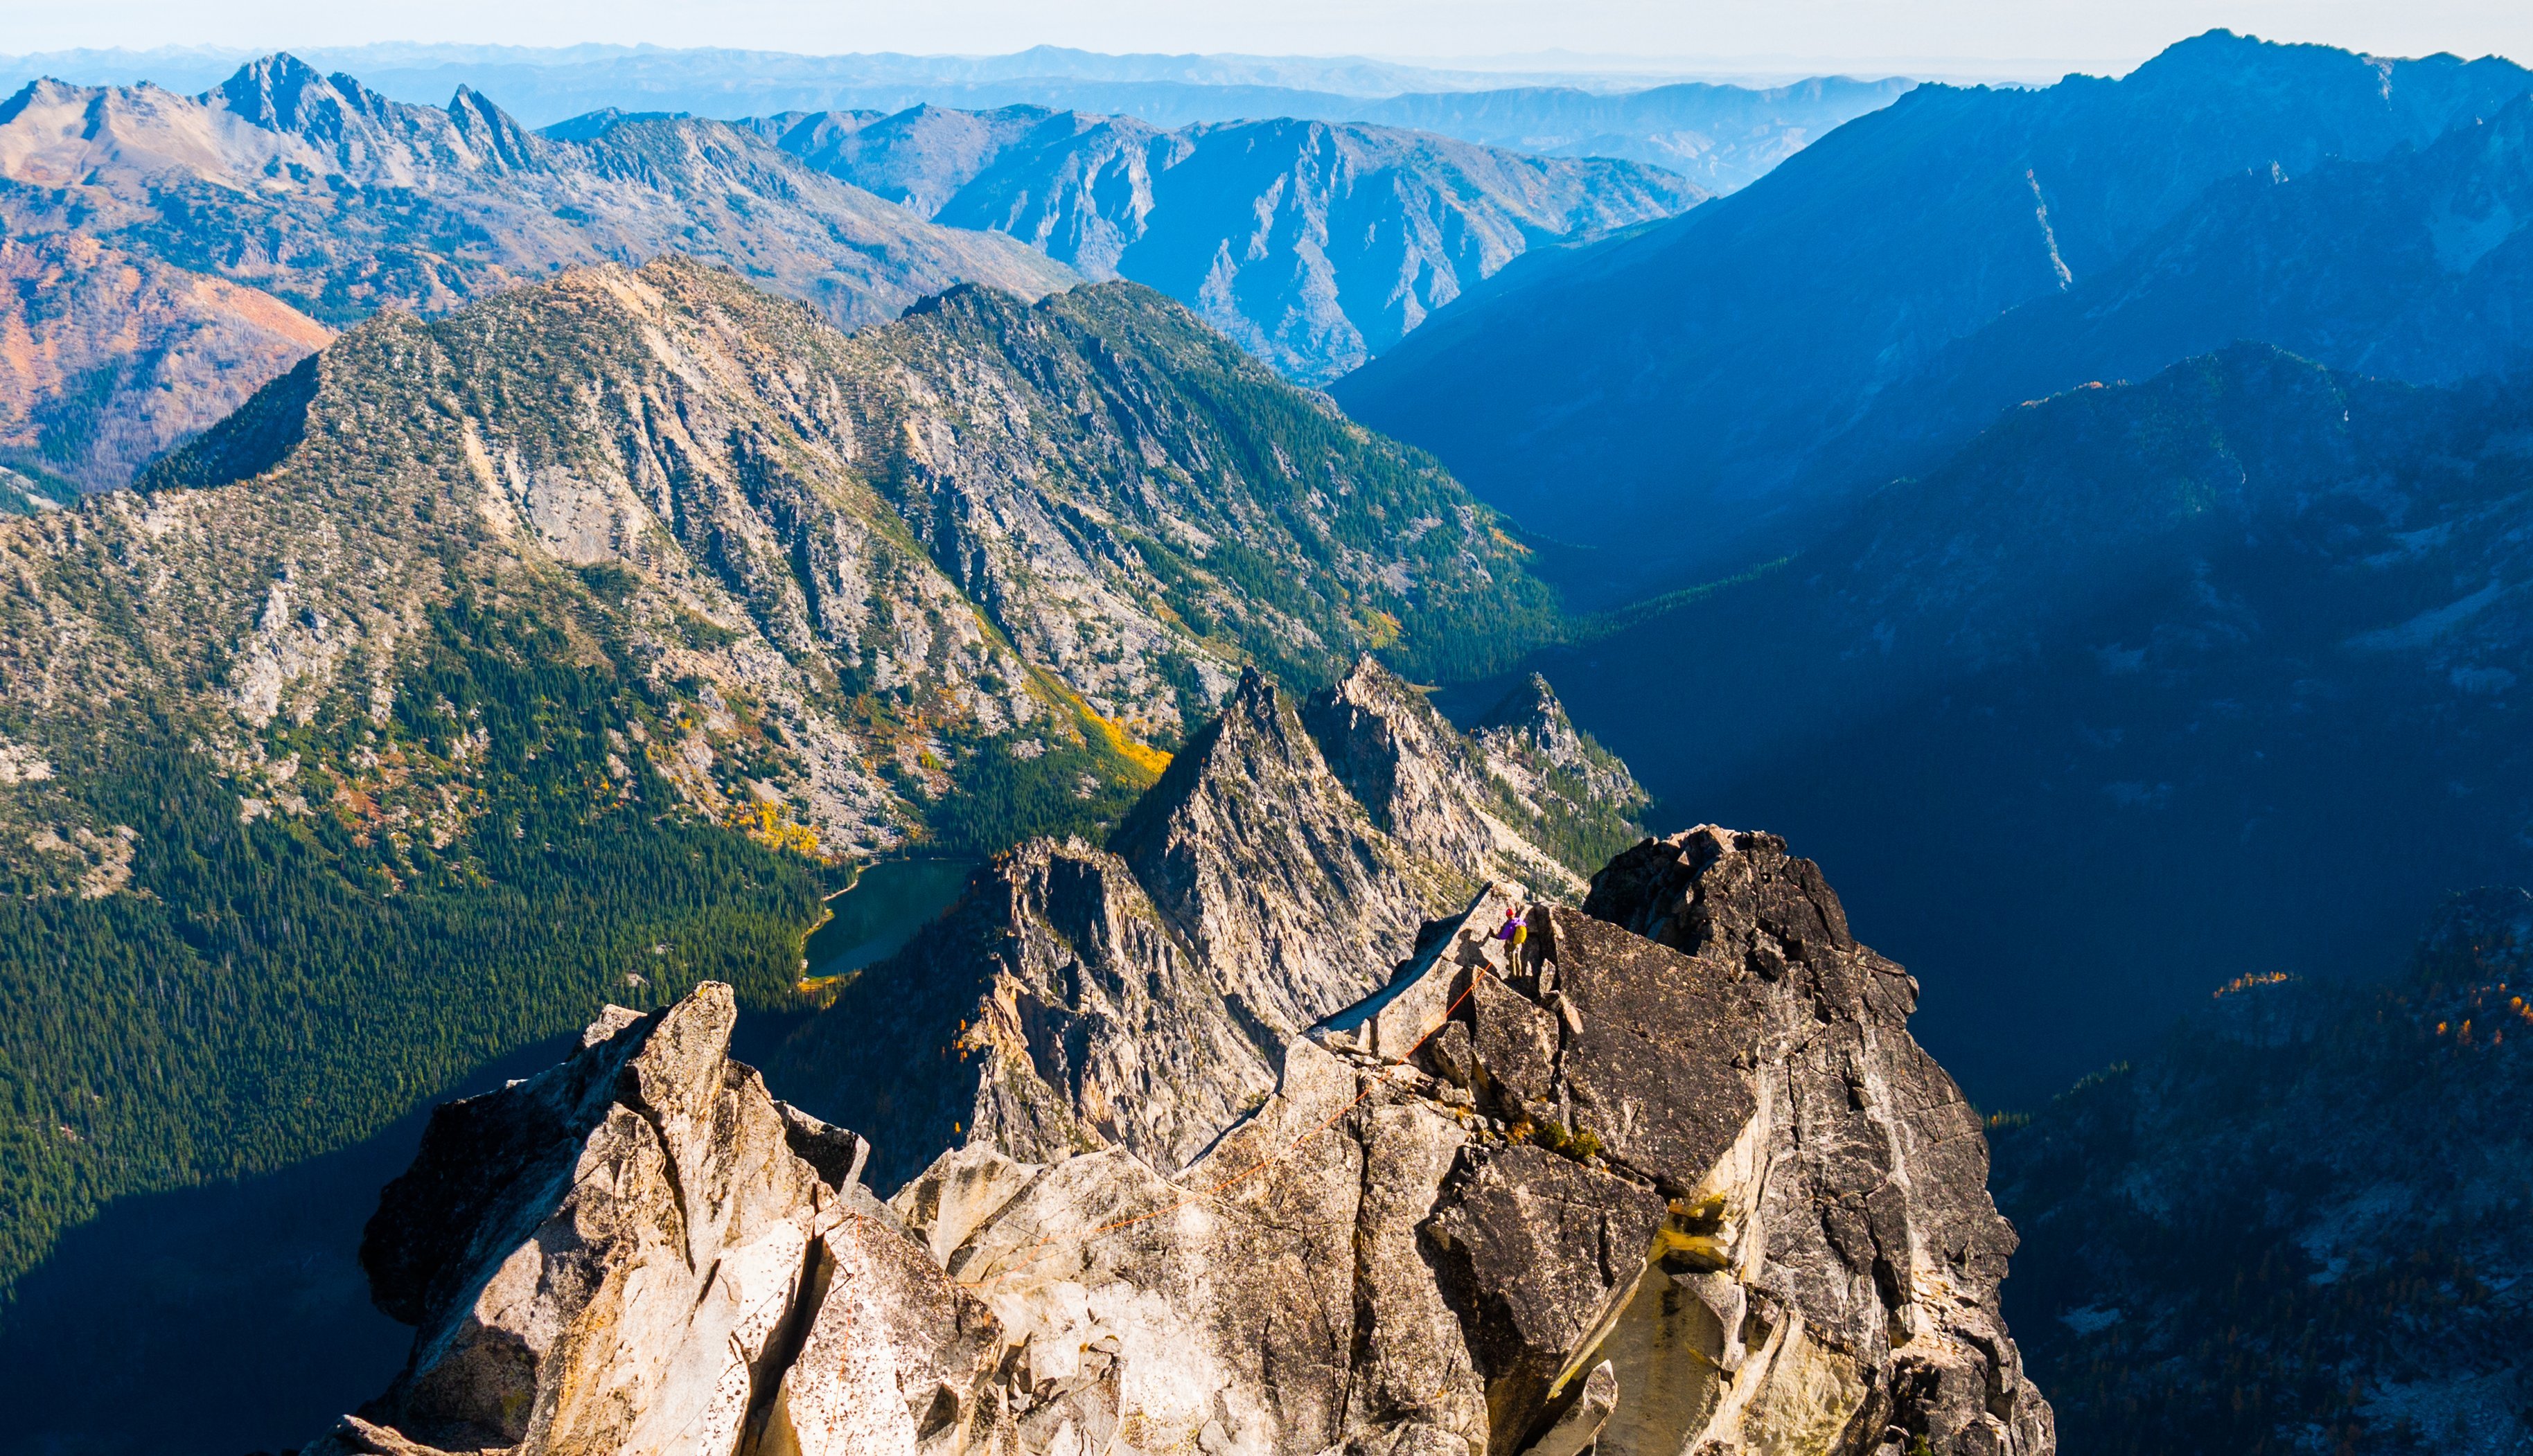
x: 485, y: 669
x: 1142, y: 995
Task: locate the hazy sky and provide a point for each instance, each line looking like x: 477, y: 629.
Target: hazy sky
x: 1849, y: 30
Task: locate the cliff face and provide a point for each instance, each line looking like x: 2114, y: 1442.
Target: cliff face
x: 1870, y: 1168
x: 1142, y: 995
x: 1696, y: 1191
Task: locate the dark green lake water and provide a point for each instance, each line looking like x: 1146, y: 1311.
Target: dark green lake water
x: 887, y: 903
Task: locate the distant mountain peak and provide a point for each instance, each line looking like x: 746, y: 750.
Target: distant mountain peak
x: 1311, y: 243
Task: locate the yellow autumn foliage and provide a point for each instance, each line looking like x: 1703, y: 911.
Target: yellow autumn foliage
x: 769, y: 822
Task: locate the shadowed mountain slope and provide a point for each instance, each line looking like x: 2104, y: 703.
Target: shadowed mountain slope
x: 2216, y: 674
x: 2201, y: 1273
x: 1675, y: 389
x: 2418, y: 266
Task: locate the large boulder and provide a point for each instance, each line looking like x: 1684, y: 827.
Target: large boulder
x: 606, y: 1256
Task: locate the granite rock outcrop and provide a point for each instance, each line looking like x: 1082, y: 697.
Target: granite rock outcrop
x: 1696, y: 1192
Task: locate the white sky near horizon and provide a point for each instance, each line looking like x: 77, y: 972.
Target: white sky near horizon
x: 1600, y: 33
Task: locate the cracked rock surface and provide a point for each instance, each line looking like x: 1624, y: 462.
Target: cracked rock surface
x: 1668, y: 1178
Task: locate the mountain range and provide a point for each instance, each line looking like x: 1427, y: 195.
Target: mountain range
x: 1710, y: 390
x: 334, y: 201
x: 562, y: 641
x: 1719, y: 135
x: 1311, y: 245
x: 239, y: 225
x: 2091, y: 519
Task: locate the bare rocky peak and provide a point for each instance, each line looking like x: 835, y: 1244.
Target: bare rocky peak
x: 1269, y: 870
x: 1489, y: 805
x: 1592, y: 1192
x: 1530, y: 721
x: 267, y: 180
x: 1138, y: 997
x: 1142, y: 996
x: 1408, y: 767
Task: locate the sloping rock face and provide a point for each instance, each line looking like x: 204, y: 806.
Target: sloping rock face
x: 1791, y: 1092
x: 1142, y: 996
x: 1426, y: 784
x: 872, y: 572
x: 603, y: 1258
x: 1591, y: 1191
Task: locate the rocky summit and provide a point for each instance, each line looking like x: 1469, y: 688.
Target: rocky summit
x: 1142, y: 995
x: 1666, y: 1175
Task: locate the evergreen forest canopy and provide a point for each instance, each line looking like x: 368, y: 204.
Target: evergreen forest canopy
x: 562, y: 650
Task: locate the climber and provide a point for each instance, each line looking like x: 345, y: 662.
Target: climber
x: 1515, y: 930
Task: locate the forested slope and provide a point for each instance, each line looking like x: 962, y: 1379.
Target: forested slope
x: 484, y: 670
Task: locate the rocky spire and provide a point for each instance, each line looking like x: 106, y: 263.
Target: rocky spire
x: 1139, y: 997
x: 603, y: 1258
x: 1410, y: 769
x: 1142, y: 996
x: 1269, y: 870
x: 1526, y: 797
x: 281, y: 92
